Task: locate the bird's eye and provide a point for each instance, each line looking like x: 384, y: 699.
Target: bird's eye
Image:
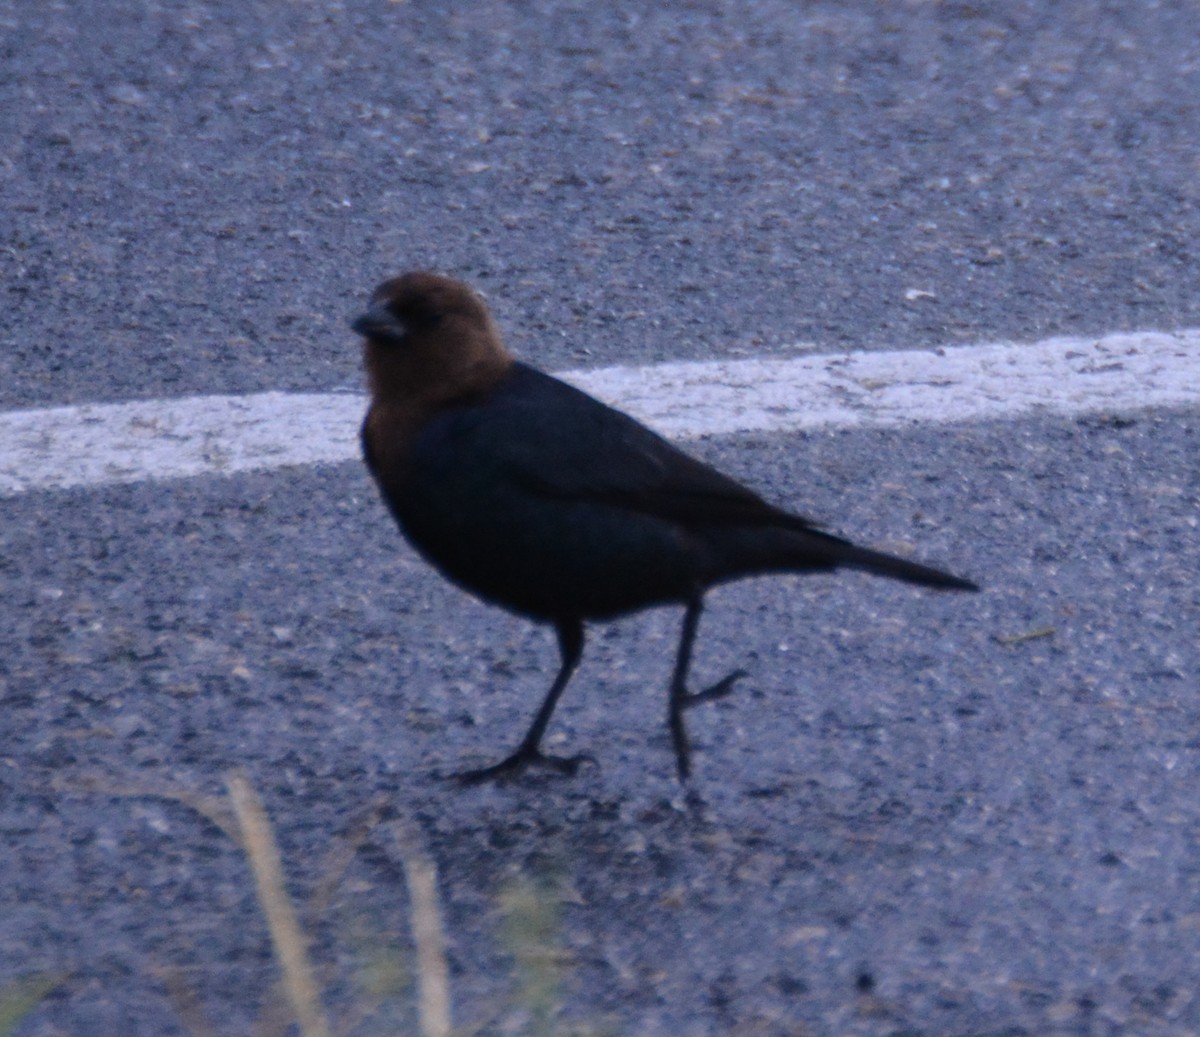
x: 420, y: 316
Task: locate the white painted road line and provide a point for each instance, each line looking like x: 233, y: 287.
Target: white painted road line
x: 213, y: 435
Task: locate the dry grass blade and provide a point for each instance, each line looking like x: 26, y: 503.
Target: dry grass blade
x: 214, y: 808
x: 341, y: 855
x: 429, y: 934
x: 259, y: 842
x: 186, y: 1002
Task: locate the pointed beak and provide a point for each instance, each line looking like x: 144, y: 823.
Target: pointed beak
x: 380, y: 324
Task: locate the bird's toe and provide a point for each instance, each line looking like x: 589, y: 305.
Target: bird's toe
x: 717, y: 691
x: 519, y: 762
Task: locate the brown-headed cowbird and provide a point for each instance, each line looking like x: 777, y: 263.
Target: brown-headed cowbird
x: 534, y: 496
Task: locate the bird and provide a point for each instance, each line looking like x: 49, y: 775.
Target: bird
x: 536, y: 497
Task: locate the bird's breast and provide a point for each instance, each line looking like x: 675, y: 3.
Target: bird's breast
x: 388, y: 435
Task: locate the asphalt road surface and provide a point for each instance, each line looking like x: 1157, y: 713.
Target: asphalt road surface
x: 921, y: 814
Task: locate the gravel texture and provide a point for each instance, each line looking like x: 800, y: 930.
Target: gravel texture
x: 922, y: 814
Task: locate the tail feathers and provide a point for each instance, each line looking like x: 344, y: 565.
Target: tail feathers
x: 856, y: 557
x: 798, y: 547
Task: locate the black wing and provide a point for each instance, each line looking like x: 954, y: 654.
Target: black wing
x: 558, y: 442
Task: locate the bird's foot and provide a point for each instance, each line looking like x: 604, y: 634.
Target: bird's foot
x: 683, y: 748
x: 514, y: 765
x: 718, y: 691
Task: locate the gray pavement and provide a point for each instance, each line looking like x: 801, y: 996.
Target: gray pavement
x: 912, y: 819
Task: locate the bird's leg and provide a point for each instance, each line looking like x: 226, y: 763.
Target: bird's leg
x: 681, y: 698
x: 570, y: 647
x: 717, y: 691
